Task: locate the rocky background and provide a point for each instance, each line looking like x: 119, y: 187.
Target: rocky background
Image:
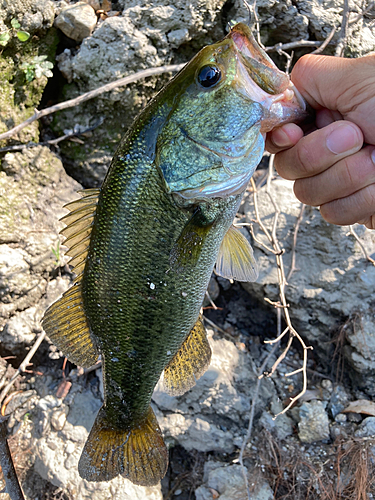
x: 324, y: 446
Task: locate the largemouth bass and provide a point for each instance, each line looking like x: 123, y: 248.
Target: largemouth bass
x: 144, y: 245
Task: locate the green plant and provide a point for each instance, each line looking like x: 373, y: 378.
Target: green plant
x: 56, y: 253
x: 37, y: 67
x: 22, y: 36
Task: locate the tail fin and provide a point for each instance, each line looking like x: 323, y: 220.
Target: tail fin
x: 138, y: 454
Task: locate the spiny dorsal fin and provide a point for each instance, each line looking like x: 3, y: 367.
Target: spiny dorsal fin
x: 236, y: 258
x: 189, y: 363
x: 137, y: 453
x: 79, y: 225
x: 66, y: 325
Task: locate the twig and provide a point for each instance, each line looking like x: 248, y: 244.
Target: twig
x: 366, y: 255
x: 251, y: 416
x: 52, y: 142
x: 343, y: 31
x: 11, y: 480
x: 257, y: 24
x: 90, y: 95
x: 320, y: 49
x: 282, y: 284
x: 293, y: 45
x: 370, y: 6
x: 296, y: 228
x: 22, y: 366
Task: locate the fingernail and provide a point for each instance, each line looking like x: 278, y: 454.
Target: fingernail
x: 343, y: 139
x: 280, y: 138
x: 373, y: 156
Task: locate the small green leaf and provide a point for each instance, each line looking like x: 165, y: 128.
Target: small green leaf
x: 4, y: 38
x: 30, y: 74
x: 23, y: 36
x: 15, y: 24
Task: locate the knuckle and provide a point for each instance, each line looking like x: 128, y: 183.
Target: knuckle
x: 369, y: 198
x: 305, y: 159
x: 304, y: 193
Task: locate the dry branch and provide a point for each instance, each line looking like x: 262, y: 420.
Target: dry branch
x: 90, y: 95
x: 6, y: 462
x: 272, y: 237
x: 22, y: 366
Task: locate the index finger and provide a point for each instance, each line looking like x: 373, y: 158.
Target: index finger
x: 283, y: 137
x: 319, y: 150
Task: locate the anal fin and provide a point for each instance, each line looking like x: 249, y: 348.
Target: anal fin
x: 236, y: 258
x: 138, y: 453
x: 66, y: 325
x: 189, y: 363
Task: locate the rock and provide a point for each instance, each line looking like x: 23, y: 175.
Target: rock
x: 229, y: 483
x: 314, y: 423
x: 57, y: 453
x: 339, y: 400
x: 332, y: 278
x: 19, y: 97
x: 77, y: 21
x: 281, y: 426
x: 360, y: 351
x: 366, y: 428
x: 33, y: 187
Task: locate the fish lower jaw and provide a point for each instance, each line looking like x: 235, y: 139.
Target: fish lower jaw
x: 222, y: 189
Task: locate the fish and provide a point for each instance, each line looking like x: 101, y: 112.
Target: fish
x: 144, y: 245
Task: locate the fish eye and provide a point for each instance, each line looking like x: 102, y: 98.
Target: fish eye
x: 209, y: 76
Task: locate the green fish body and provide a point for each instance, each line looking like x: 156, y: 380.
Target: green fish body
x: 145, y: 245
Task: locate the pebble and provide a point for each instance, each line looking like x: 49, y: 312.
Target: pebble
x: 77, y: 21
x: 314, y: 424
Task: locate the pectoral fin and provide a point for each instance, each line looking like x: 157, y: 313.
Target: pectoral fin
x: 187, y: 249
x: 190, y: 362
x: 236, y: 258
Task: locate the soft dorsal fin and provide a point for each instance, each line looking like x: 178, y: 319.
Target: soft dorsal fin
x: 236, y: 258
x: 189, y: 363
x: 79, y: 225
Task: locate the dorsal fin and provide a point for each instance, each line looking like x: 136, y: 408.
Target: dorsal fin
x: 65, y: 321
x: 236, y: 258
x: 66, y: 325
x: 79, y: 225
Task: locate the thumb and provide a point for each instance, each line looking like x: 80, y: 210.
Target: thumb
x: 340, y: 84
x: 322, y: 80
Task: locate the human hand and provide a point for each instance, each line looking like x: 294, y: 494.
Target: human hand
x: 333, y: 166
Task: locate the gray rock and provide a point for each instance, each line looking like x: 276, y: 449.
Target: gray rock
x: 314, y: 423
x: 77, y: 21
x: 230, y: 484
x: 33, y: 15
x: 281, y: 426
x: 57, y: 453
x: 338, y: 401
x: 360, y: 335
x: 34, y: 187
x: 366, y: 428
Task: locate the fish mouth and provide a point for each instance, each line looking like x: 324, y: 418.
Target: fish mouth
x: 259, y: 79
